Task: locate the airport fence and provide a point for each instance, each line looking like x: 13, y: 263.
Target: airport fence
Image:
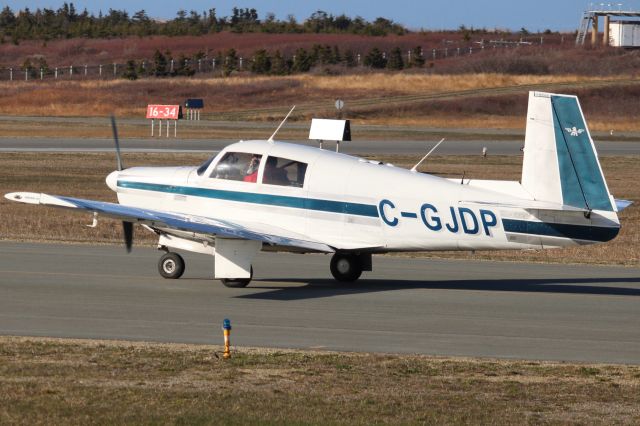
x: 144, y: 67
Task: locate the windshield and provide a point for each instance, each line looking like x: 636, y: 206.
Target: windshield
x: 203, y: 168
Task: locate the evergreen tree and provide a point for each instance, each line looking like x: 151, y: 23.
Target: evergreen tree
x: 302, y: 61
x: 395, y: 61
x: 261, y: 63
x: 278, y: 64
x: 130, y: 72
x: 349, y: 59
x: 375, y: 59
x: 417, y: 60
x: 230, y: 62
x: 159, y: 64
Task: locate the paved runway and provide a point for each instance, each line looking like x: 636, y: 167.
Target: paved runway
x: 399, y: 147
x: 507, y: 310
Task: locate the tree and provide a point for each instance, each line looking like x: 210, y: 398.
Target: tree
x: 159, y: 64
x: 375, y: 59
x: 230, y: 62
x: 183, y: 66
x: 350, y: 59
x: 395, y: 61
x: 302, y: 61
x: 130, y: 71
x: 261, y: 63
x: 278, y: 64
x: 417, y: 60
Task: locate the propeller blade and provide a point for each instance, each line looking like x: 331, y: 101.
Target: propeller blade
x: 127, y: 228
x: 117, y: 142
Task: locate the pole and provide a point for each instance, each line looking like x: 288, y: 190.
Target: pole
x: 11, y: 74
x: 226, y: 331
x: 100, y: 70
x: 159, y: 128
x: 152, y: 126
x: 168, y: 125
x: 175, y: 129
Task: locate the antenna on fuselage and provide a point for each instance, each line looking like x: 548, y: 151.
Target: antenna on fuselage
x: 281, y: 124
x: 415, y: 168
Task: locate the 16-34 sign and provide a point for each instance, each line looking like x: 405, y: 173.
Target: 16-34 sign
x: 163, y: 112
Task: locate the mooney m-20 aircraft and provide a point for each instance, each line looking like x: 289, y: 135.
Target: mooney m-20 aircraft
x: 265, y: 195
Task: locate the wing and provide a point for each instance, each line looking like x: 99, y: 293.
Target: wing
x: 267, y: 234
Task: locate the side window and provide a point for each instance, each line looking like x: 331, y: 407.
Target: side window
x: 238, y: 166
x: 282, y: 171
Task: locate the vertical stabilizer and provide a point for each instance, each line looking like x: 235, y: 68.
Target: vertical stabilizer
x: 560, y: 160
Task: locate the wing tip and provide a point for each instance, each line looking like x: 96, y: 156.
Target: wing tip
x: 24, y: 197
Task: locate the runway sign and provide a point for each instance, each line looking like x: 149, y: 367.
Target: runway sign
x: 163, y: 112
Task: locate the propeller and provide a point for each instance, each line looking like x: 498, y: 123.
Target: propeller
x: 117, y: 142
x: 127, y: 227
x: 127, y: 230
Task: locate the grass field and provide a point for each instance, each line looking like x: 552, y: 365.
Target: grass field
x: 485, y: 100
x: 82, y: 175
x: 52, y: 381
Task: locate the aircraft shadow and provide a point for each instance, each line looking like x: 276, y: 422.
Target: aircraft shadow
x: 318, y: 288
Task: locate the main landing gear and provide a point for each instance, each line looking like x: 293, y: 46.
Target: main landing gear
x: 347, y: 267
x: 237, y: 282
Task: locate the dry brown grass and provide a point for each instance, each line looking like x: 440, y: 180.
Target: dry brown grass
x: 389, y: 98
x: 429, y: 83
x: 82, y: 175
x: 55, y: 381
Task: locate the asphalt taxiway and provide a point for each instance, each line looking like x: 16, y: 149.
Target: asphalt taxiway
x: 360, y: 147
x: 406, y: 305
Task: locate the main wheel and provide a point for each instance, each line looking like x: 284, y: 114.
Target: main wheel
x: 171, y: 265
x: 237, y: 282
x: 345, y: 267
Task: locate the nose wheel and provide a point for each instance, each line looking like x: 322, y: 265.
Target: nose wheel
x: 346, y: 267
x: 171, y: 265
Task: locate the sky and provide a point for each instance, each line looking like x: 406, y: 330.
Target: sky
x: 534, y: 15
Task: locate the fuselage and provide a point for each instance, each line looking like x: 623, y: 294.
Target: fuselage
x: 354, y: 204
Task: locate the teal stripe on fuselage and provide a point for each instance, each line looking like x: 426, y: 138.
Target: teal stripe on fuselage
x: 562, y: 230
x: 580, y: 177
x: 331, y: 206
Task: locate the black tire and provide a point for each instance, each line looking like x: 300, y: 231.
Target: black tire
x: 171, y: 266
x: 237, y: 282
x: 345, y: 267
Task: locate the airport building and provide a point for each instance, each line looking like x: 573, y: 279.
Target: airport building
x: 616, y: 32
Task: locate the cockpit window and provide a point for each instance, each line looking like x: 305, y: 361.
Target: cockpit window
x: 204, y: 166
x: 285, y: 172
x: 238, y: 166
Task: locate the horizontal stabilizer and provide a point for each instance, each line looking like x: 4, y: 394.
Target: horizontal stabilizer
x: 622, y: 204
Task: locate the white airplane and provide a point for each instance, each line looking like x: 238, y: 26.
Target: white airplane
x: 265, y: 195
